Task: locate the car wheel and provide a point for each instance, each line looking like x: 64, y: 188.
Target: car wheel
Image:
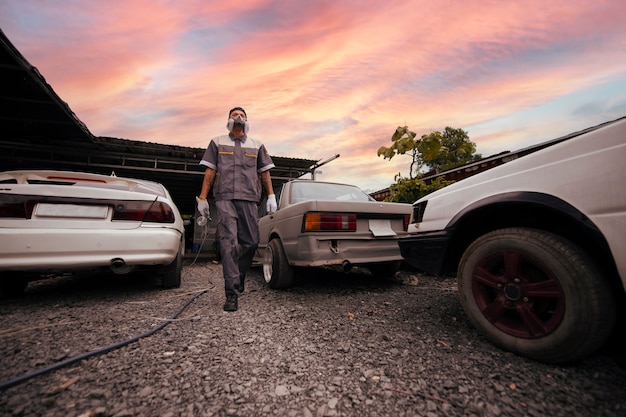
x: 13, y: 284
x: 276, y: 271
x: 385, y: 270
x: 171, y: 274
x: 535, y: 294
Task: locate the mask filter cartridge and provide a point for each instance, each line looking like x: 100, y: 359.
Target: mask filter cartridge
x: 238, y: 123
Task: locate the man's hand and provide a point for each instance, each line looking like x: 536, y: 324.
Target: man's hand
x: 203, y: 207
x: 271, y: 203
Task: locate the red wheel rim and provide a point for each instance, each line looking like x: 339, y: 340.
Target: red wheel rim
x: 518, y: 294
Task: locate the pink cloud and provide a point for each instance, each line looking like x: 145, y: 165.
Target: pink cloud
x: 323, y: 77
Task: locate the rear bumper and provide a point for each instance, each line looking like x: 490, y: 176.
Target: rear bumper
x: 321, y: 251
x: 425, y: 251
x: 66, y: 250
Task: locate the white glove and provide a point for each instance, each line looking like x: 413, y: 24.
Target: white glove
x: 203, y: 207
x: 271, y: 204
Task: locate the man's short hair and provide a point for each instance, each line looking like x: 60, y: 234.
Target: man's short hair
x: 236, y: 108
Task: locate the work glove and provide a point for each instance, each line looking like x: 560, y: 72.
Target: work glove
x: 271, y: 204
x: 203, y: 207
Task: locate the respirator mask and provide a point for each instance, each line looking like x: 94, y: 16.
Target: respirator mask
x: 238, y: 123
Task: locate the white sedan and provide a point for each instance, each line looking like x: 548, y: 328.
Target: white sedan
x: 61, y: 221
x: 329, y: 224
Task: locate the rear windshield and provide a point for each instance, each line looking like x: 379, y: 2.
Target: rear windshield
x: 304, y: 191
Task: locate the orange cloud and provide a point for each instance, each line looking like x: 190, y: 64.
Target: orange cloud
x: 320, y: 78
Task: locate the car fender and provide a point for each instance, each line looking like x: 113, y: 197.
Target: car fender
x: 524, y: 209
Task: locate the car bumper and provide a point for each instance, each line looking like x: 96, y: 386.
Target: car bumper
x: 43, y: 250
x: 316, y: 251
x: 425, y: 251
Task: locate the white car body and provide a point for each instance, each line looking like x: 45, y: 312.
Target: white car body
x: 596, y: 187
x: 72, y: 223
x: 574, y: 190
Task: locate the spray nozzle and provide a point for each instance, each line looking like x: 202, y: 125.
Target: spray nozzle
x: 204, y: 218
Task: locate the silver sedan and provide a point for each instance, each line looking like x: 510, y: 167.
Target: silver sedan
x: 329, y: 224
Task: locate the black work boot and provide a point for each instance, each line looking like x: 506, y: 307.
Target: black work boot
x: 231, y: 303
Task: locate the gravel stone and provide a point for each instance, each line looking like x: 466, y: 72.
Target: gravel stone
x: 333, y: 345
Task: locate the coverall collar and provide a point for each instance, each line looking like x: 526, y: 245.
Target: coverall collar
x: 234, y: 138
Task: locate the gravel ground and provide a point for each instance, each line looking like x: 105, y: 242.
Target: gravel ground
x: 334, y: 345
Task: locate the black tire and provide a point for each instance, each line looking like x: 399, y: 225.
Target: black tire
x: 13, y: 284
x: 276, y: 270
x: 536, y: 294
x: 385, y: 270
x: 171, y: 273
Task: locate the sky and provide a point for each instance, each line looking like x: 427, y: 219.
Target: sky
x: 319, y: 78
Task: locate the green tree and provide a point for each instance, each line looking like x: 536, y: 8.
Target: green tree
x: 408, y: 190
x: 436, y: 150
x: 456, y: 150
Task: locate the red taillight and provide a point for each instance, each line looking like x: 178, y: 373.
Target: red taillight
x: 406, y: 220
x: 16, y: 206
x: 13, y: 210
x: 147, y: 211
x: 21, y: 207
x: 73, y: 180
x: 326, y: 222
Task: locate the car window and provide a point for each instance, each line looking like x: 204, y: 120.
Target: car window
x: 305, y: 191
x: 263, y: 203
x: 278, y: 192
x: 262, y: 209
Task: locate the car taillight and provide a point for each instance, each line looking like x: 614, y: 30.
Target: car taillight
x: 16, y: 206
x: 13, y: 210
x: 328, y: 222
x: 21, y: 207
x: 406, y: 219
x: 147, y: 211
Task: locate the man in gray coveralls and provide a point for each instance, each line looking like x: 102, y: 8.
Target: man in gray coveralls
x: 234, y: 163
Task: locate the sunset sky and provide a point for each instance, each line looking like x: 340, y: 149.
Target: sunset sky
x: 319, y: 78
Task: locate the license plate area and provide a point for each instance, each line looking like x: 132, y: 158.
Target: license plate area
x: 381, y: 227
x: 71, y: 211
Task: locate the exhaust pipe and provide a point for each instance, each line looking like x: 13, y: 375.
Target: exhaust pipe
x: 118, y: 266
x: 346, y: 266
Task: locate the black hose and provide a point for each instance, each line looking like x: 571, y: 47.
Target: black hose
x: 96, y: 352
